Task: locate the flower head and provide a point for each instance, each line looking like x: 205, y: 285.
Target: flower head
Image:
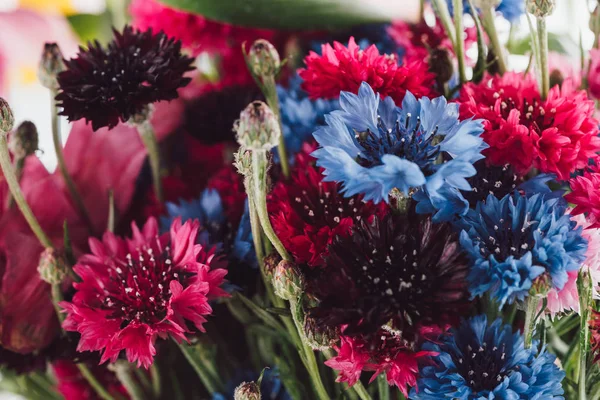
x: 133, y: 291
x: 372, y: 146
x: 477, y: 361
x: 112, y: 84
x: 518, y: 239
x: 557, y: 135
x: 307, y: 213
x: 344, y: 68
x: 402, y: 271
x: 585, y: 193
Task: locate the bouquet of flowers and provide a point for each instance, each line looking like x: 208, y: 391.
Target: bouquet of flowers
x: 377, y: 211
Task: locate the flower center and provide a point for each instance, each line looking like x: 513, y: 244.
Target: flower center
x: 532, y: 113
x: 411, y: 144
x: 503, y: 241
x: 497, y: 181
x: 139, y: 286
x: 482, y: 367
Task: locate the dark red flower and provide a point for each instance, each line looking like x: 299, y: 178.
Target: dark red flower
x: 585, y: 194
x: 112, y: 84
x: 133, y: 291
x: 308, y: 213
x: 557, y: 135
x: 73, y: 386
x: 342, y: 68
x: 230, y: 185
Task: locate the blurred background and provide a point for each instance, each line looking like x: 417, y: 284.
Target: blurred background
x: 25, y: 25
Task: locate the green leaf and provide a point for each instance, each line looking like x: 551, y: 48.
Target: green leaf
x: 89, y: 27
x: 300, y: 14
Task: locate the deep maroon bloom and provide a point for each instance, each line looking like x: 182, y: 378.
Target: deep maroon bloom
x: 402, y: 271
x: 308, y: 213
x: 105, y: 85
x: 133, y: 291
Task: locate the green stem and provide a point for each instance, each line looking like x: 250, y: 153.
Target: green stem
x: 110, y: 224
x: 585, y: 291
x: 156, y: 383
x: 57, y: 297
x: 62, y: 166
x: 489, y: 24
x: 531, y: 309
x: 15, y: 189
x: 149, y: 139
x: 123, y: 372
x: 269, y: 89
x: 382, y: 387
x: 459, y: 45
x: 543, y: 48
x: 441, y: 9
x: 211, y: 383
x: 259, y: 164
x: 91, y: 379
x: 313, y: 371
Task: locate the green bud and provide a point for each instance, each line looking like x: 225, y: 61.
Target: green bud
x: 51, y: 64
x: 271, y: 261
x: 541, y: 8
x: 541, y: 285
x: 263, y: 59
x: 7, y: 120
x: 288, y: 281
x: 319, y: 336
x: 52, y: 267
x: 258, y: 127
x: 23, y: 141
x: 247, y: 391
x: 243, y: 162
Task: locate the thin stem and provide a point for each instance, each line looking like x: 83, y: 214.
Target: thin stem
x: 57, y: 297
x: 313, y: 371
x: 149, y: 139
x: 156, y: 383
x: 123, y: 372
x: 110, y: 224
x: 259, y: 161
x: 459, y: 45
x: 543, y: 48
x: 441, y: 9
x: 211, y: 383
x: 270, y: 91
x: 15, y: 189
x: 91, y: 379
x: 62, y: 166
x: 585, y: 291
x: 531, y: 309
x: 488, y: 19
x: 382, y: 387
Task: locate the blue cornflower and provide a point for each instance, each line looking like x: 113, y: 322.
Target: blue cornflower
x: 301, y: 116
x: 482, y: 362
x: 511, y: 10
x: 372, y: 146
x: 271, y: 387
x: 516, y: 240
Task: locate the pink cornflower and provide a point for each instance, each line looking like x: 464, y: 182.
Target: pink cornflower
x: 585, y: 193
x: 568, y: 299
x: 344, y: 68
x: 133, y: 291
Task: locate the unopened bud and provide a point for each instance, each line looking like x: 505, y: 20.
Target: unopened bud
x: 7, y: 120
x: 320, y: 336
x: 556, y: 78
x: 263, y: 59
x: 23, y: 141
x: 243, y: 162
x: 271, y: 261
x: 52, y: 267
x: 287, y: 280
x: 258, y: 127
x: 247, y: 391
x: 51, y: 64
x: 541, y: 8
x: 440, y: 64
x: 541, y: 285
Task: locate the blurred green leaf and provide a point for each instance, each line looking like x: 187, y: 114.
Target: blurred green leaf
x: 556, y: 43
x: 90, y: 27
x: 299, y: 14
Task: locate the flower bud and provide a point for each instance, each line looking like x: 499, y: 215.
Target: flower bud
x: 320, y: 336
x: 556, y: 78
x: 440, y: 64
x: 271, y: 261
x: 7, y: 120
x: 541, y: 285
x: 243, y: 162
x: 258, y: 127
x: 51, y: 64
x: 263, y: 59
x: 23, y: 141
x: 52, y: 267
x: 287, y: 280
x: 541, y: 8
x: 247, y: 391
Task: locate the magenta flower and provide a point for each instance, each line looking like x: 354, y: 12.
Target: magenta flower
x: 133, y: 291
